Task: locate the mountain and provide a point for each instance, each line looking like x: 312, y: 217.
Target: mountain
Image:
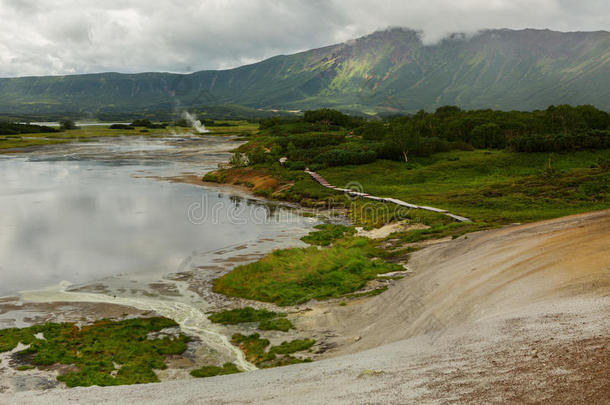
x: 391, y: 71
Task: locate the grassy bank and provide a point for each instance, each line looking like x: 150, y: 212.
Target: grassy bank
x: 493, y: 186
x: 89, y: 133
x: 83, y: 134
x: 256, y: 352
x: 267, y: 320
x: 497, y: 187
x: 486, y: 173
x: 103, y: 353
x: 293, y: 276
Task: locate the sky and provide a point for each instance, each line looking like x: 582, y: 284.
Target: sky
x: 56, y: 37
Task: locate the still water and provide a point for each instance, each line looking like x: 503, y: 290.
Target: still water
x: 82, y: 213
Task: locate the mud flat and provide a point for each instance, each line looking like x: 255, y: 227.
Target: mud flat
x: 519, y: 314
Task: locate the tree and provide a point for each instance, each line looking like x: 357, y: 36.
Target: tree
x: 403, y: 139
x: 487, y: 136
x: 257, y: 155
x: 67, y: 125
x: 372, y: 131
x: 563, y: 118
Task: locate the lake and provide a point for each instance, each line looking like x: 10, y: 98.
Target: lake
x: 83, y: 212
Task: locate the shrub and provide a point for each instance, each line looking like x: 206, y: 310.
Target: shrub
x: 242, y: 315
x: 210, y: 371
x: 121, y: 126
x: 67, y: 125
x: 281, y: 324
x: 372, y: 131
x: 293, y: 346
x: 342, y: 157
x: 254, y: 348
x: 141, y: 123
x: 256, y: 155
x: 238, y: 160
x: 327, y: 233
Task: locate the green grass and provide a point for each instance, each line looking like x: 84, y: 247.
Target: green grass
x: 210, y: 371
x: 255, y: 350
x: 497, y: 187
x: 237, y: 127
x: 293, y: 276
x: 95, y: 349
x: 253, y: 346
x: 280, y: 324
x: 20, y: 142
x: 243, y: 315
x: 327, y: 233
x: 269, y: 320
x: 88, y: 133
x: 293, y: 346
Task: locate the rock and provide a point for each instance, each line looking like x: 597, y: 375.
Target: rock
x: 357, y: 338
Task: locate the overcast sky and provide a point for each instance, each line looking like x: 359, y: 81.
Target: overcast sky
x: 42, y: 37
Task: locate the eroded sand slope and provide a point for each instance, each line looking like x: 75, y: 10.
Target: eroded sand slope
x: 520, y: 314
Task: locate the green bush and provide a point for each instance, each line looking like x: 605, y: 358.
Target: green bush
x: 327, y: 234
x: 292, y: 346
x: 210, y: 371
x: 95, y: 349
x: 243, y: 315
x: 255, y: 350
x: 121, y: 126
x: 342, y: 157
x: 281, y: 324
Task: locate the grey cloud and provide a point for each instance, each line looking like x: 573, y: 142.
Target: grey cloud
x: 70, y: 36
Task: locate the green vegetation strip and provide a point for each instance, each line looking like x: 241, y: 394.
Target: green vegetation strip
x: 269, y: 320
x: 255, y: 350
x: 242, y: 315
x: 280, y: 324
x: 327, y: 233
x: 293, y: 276
x: 210, y: 371
x: 496, y: 187
x: 103, y: 353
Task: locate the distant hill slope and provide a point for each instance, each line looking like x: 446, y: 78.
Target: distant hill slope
x: 386, y: 71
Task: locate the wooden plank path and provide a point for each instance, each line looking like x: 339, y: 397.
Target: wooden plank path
x: 396, y: 201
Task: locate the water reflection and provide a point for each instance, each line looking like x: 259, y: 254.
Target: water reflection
x: 80, y: 220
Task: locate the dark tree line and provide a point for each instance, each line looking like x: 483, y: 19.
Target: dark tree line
x: 11, y: 128
x: 330, y: 138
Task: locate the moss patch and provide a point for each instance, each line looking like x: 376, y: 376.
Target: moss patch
x: 243, y: 315
x: 210, y: 371
x: 327, y: 234
x: 255, y: 350
x: 97, y: 349
x: 293, y: 276
x: 281, y: 324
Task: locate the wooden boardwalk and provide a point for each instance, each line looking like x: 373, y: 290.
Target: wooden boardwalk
x: 396, y: 201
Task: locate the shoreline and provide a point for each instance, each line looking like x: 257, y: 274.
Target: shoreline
x: 174, y: 294
x: 537, y: 317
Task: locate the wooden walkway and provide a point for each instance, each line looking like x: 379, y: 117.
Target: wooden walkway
x: 396, y: 201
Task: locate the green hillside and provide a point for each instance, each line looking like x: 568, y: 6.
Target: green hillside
x: 388, y: 71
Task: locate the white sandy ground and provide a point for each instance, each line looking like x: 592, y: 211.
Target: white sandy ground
x: 515, y: 315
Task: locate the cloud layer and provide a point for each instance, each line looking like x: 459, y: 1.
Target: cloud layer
x: 71, y: 36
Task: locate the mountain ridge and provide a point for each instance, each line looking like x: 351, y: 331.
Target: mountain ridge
x: 386, y: 71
